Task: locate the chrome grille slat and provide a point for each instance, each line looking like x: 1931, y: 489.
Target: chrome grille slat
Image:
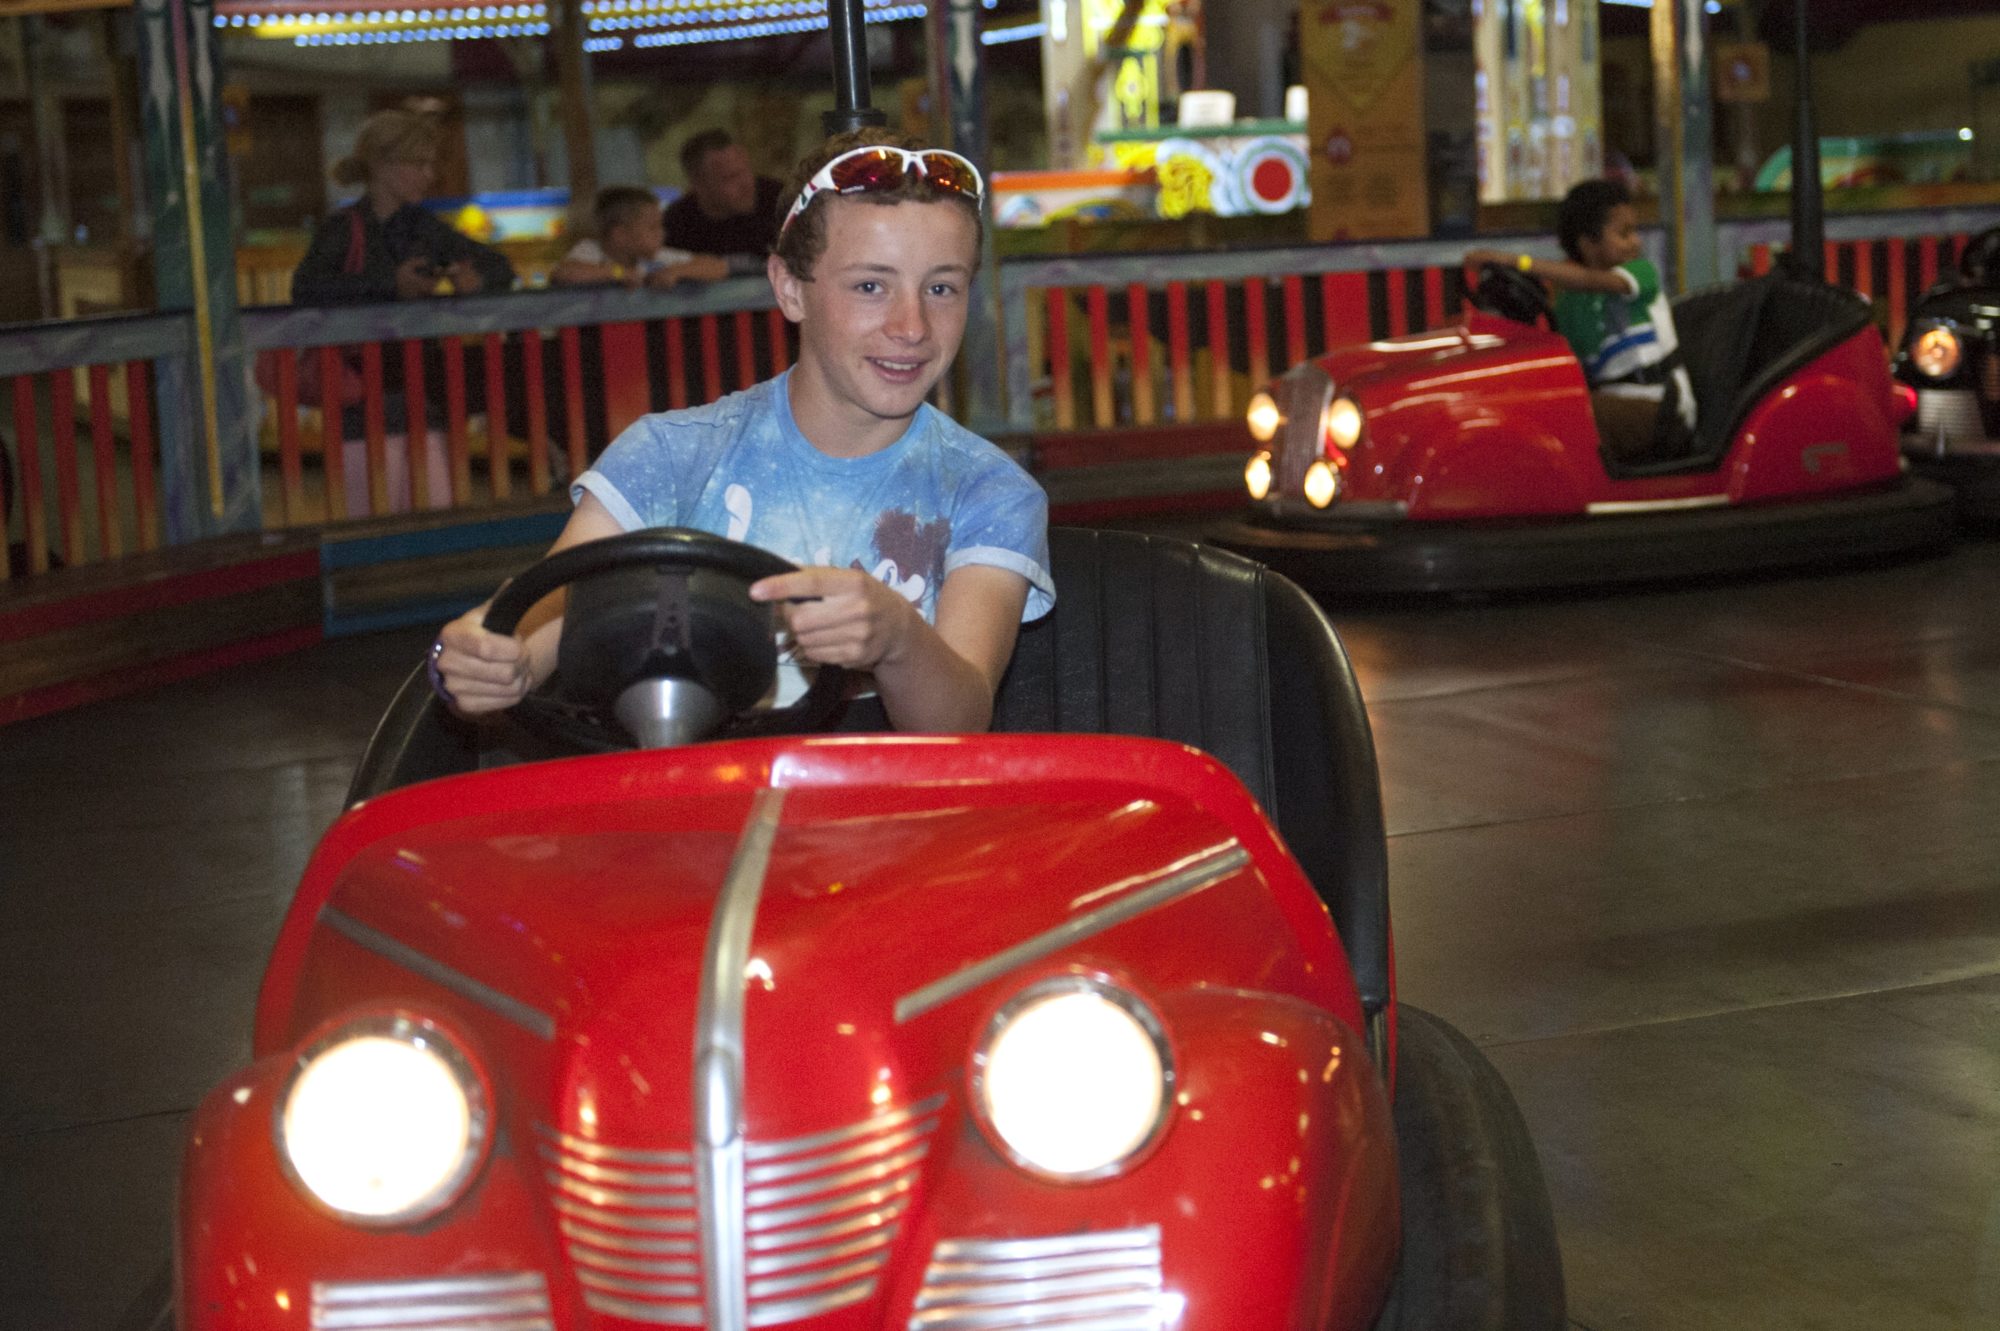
x: 1103, y: 1282
x: 1302, y: 394
x: 504, y: 1301
x: 823, y: 1213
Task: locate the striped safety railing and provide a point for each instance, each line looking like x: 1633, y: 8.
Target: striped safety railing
x: 83, y: 474
x: 517, y: 391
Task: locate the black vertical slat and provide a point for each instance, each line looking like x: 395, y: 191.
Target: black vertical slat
x: 1454, y: 291
x: 1378, y: 305
x: 1843, y: 268
x: 1413, y: 300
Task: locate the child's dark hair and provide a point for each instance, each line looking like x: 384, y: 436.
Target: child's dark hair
x: 1585, y: 210
x: 621, y: 203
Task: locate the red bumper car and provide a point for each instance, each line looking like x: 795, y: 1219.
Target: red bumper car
x: 1467, y: 459
x: 868, y: 1031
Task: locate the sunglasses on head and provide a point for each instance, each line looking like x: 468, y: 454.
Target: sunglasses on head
x: 879, y: 167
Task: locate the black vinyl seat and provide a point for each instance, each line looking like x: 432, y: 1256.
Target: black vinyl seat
x: 1154, y: 637
x: 1159, y: 637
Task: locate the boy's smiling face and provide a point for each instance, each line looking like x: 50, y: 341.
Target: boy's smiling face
x: 1617, y: 243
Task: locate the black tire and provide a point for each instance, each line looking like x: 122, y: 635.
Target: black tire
x: 1479, y: 1240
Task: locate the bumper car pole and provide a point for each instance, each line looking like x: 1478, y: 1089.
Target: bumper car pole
x: 851, y: 111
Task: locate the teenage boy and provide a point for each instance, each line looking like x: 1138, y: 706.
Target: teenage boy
x: 922, y: 547
x: 630, y: 247
x: 1610, y: 307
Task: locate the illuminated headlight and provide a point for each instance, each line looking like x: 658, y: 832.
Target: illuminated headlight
x: 1074, y: 1079
x: 1936, y: 352
x: 1343, y: 423
x: 1257, y: 476
x: 1322, y: 484
x: 1264, y: 418
x: 384, y: 1121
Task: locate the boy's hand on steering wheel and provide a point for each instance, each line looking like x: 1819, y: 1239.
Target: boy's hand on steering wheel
x: 840, y: 616
x: 482, y: 671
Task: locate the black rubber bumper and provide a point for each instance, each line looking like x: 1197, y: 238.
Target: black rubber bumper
x: 1361, y: 559
x: 1974, y: 478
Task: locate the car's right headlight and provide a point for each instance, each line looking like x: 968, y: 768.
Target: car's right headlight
x: 1264, y: 418
x: 384, y: 1121
x: 1074, y: 1079
x: 1937, y: 352
x: 1257, y: 475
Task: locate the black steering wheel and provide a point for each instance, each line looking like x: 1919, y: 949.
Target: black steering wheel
x: 1512, y: 294
x: 1980, y: 263
x: 668, y: 607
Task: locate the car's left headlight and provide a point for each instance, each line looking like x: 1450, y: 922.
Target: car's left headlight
x: 1074, y: 1079
x: 384, y: 1121
x: 1343, y: 423
x: 1937, y: 351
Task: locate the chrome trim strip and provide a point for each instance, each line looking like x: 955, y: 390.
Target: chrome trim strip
x: 797, y: 1310
x: 793, y: 1258
x: 869, y: 1150
x: 649, y: 1180
x: 615, y: 1154
x: 604, y: 1238
x: 880, y: 1123
x: 861, y: 1272
x: 530, y: 1019
x: 882, y: 1217
x: 1135, y: 1310
x: 688, y: 1314
x: 718, y: 1072
x: 765, y: 1221
x: 1193, y: 875
x: 637, y: 1266
x: 668, y: 1224
x: 681, y: 1200
x: 886, y: 1169
x: 505, y: 1301
x: 1033, y: 1291
x: 948, y: 1271
x: 657, y: 1289
x: 1614, y: 506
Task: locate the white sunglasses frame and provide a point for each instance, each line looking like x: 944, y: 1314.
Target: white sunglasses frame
x: 822, y: 179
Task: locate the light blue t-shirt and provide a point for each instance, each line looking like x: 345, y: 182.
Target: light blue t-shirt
x: 936, y: 500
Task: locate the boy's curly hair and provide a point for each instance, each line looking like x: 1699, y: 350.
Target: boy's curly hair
x: 1585, y: 210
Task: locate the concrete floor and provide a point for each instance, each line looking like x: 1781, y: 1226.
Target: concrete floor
x: 1713, y: 874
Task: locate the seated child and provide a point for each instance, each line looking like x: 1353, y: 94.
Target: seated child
x: 1610, y: 307
x: 629, y: 247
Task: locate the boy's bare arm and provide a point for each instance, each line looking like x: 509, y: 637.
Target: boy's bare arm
x: 1561, y: 273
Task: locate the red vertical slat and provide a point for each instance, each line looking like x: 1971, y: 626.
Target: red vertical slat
x: 746, y: 349
x: 1345, y: 297
x: 1832, y: 259
x: 1899, y: 301
x: 1294, y: 288
x: 572, y: 364
x: 139, y: 413
x: 1097, y: 312
x: 1927, y: 262
x: 69, y: 502
x: 28, y: 436
x: 291, y: 464
x: 1259, y: 333
x: 457, y: 447
x: 1180, y: 381
x: 1954, y: 249
x: 1061, y: 386
x: 1864, y: 267
x: 1144, y: 411
x: 104, y: 454
x: 538, y: 411
x: 1399, y: 302
x: 1218, y: 350
x: 333, y: 455
x: 711, y: 358
x: 374, y: 427
x: 1433, y: 297
x: 1760, y: 260
x: 499, y: 470
x: 775, y: 323
x: 625, y: 393
x: 677, y: 384
x: 416, y: 424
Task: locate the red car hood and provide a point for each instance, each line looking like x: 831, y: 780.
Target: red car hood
x: 590, y: 908
x: 1421, y: 355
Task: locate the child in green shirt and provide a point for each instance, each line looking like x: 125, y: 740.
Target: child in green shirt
x: 1610, y: 307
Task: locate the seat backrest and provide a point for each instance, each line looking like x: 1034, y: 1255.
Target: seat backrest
x: 1158, y: 637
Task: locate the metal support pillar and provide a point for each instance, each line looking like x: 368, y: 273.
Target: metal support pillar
x: 578, y: 118
x: 959, y: 77
x: 1683, y: 111
x: 208, y: 437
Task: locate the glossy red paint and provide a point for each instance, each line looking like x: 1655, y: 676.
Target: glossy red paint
x: 583, y: 893
x: 1491, y: 419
